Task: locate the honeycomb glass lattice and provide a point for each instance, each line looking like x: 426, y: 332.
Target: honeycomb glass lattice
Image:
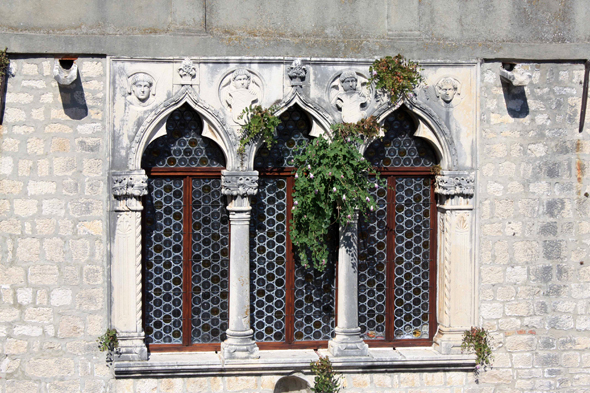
x: 163, y: 254
x: 399, y: 148
x: 372, y: 268
x: 292, y: 136
x: 412, y: 257
x: 314, y: 303
x: 210, y: 262
x: 268, y: 258
x: 183, y: 145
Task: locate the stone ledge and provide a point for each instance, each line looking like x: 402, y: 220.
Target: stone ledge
x: 288, y: 361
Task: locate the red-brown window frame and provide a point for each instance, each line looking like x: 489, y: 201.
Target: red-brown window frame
x: 391, y: 174
x: 186, y: 174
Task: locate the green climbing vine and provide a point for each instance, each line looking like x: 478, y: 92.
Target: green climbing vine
x: 332, y: 183
x: 325, y: 380
x: 260, y: 125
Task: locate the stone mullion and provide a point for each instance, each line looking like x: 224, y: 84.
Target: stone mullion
x: 348, y: 341
x: 126, y: 264
x: 239, y: 186
x: 456, y: 265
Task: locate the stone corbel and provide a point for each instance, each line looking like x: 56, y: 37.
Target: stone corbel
x: 65, y: 76
x: 456, y: 310
x: 128, y: 188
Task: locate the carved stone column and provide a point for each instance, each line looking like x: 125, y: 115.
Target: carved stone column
x: 348, y: 341
x: 126, y: 261
x: 239, y: 186
x: 456, y: 310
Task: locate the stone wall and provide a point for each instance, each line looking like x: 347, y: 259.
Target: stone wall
x: 534, y: 223
x: 52, y: 218
x: 534, y: 229
x: 436, y: 29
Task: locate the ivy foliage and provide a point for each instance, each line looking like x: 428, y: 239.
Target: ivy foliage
x: 325, y: 380
x: 396, y: 76
x: 478, y: 340
x: 332, y: 183
x: 4, y: 62
x: 260, y: 124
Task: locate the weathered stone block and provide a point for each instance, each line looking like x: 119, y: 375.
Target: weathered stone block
x: 43, y: 275
x: 520, y: 343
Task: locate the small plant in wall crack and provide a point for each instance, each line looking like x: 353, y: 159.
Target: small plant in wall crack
x: 478, y: 340
x: 396, y: 76
x: 260, y: 125
x: 325, y: 380
x: 332, y: 183
x: 4, y: 62
x: 108, y: 343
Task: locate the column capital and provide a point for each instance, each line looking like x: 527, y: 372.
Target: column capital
x: 451, y: 183
x: 239, y: 183
x: 128, y: 187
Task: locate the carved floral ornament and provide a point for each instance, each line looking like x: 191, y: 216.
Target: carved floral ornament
x: 187, y: 70
x: 455, y: 183
x: 239, y: 183
x: 297, y: 73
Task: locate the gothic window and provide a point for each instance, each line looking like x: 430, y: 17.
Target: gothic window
x: 290, y: 306
x: 397, y: 241
x: 186, y: 232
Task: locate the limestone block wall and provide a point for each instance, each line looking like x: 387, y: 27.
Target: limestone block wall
x: 53, y: 195
x: 533, y: 217
x: 534, y: 224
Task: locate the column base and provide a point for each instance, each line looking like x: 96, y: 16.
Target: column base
x: 448, y: 340
x: 348, y: 342
x: 239, y: 345
x: 131, y: 347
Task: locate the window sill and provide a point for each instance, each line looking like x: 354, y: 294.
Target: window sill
x: 287, y: 361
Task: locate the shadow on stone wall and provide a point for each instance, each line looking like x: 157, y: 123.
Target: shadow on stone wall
x: 73, y: 99
x: 516, y: 101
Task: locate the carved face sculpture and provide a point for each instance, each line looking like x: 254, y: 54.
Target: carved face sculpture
x: 349, y: 84
x: 446, y: 90
x: 241, y: 81
x: 142, y: 90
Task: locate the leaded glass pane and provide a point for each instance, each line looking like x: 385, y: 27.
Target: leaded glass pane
x: 314, y: 303
x: 183, y: 145
x: 268, y: 256
x: 210, y: 256
x: 412, y: 257
x: 399, y: 147
x: 292, y: 136
x: 163, y: 260
x: 372, y: 268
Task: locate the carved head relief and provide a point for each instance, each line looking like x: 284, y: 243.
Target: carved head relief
x: 350, y: 95
x: 141, y: 88
x: 240, y: 89
x: 447, y: 88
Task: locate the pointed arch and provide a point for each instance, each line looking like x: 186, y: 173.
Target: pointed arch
x: 320, y: 119
x: 214, y: 127
x: 429, y: 127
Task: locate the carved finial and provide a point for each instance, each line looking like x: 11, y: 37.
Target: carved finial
x: 297, y: 73
x: 187, y: 70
